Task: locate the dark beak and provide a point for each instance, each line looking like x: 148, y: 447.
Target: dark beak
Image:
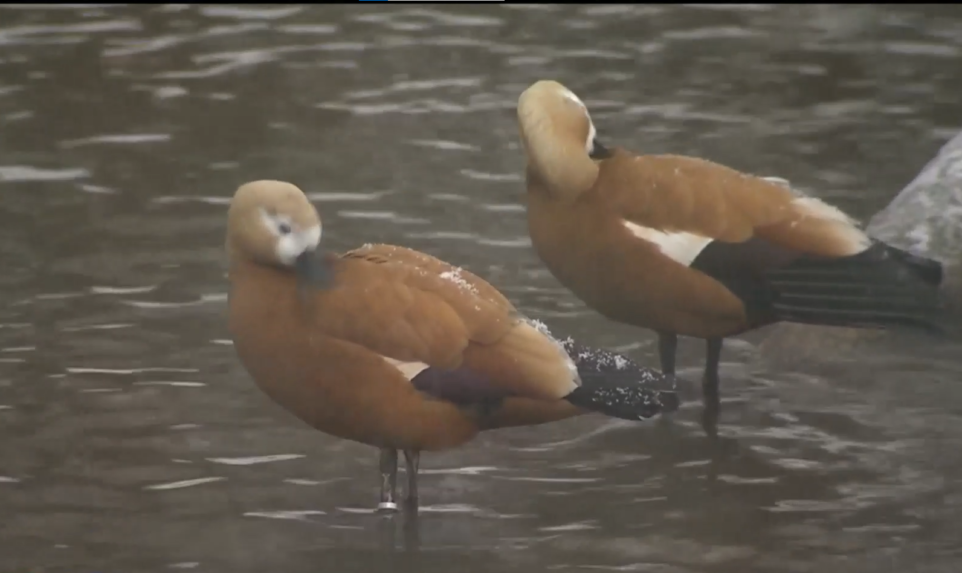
x: 311, y: 270
x: 599, y: 151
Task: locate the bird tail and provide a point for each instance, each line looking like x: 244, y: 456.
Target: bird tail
x: 616, y: 386
x: 881, y: 287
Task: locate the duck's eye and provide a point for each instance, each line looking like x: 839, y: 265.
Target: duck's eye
x: 284, y: 228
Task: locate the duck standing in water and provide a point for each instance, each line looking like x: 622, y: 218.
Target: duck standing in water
x: 685, y: 246
x: 394, y: 348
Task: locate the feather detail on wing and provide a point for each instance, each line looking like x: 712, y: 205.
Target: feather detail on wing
x: 681, y: 204
x: 413, y: 308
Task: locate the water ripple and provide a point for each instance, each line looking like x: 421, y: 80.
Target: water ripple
x: 252, y: 460
x: 17, y: 173
x: 250, y: 12
x: 298, y: 515
x: 184, y: 483
x: 118, y: 139
x: 17, y: 35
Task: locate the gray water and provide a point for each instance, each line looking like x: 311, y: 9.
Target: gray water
x: 132, y: 440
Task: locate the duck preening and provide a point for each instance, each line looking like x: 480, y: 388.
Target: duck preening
x: 394, y: 348
x: 685, y: 246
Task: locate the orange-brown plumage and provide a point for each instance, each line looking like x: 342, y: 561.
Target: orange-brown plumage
x: 673, y: 194
x: 379, y: 350
x: 687, y: 246
x: 334, y: 384
x: 624, y: 278
x: 330, y: 350
x: 678, y: 193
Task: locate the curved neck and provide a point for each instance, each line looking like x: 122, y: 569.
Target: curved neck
x: 561, y: 164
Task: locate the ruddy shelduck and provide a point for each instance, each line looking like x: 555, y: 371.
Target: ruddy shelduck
x: 396, y: 349
x: 685, y: 246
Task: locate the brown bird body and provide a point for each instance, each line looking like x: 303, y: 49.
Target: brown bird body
x: 388, y: 346
x: 685, y: 246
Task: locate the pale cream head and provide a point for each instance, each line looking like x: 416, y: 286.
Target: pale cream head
x: 272, y: 223
x: 558, y: 137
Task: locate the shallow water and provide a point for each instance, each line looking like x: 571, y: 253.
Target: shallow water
x: 132, y: 440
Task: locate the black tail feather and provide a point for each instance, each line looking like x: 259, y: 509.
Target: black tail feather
x: 882, y: 287
x: 616, y: 386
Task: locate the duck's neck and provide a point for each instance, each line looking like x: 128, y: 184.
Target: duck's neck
x: 264, y: 297
x: 241, y: 268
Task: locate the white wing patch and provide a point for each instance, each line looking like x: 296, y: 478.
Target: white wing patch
x: 681, y: 247
x: 409, y: 369
x: 847, y: 228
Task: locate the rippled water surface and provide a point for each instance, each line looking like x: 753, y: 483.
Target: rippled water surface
x: 132, y: 440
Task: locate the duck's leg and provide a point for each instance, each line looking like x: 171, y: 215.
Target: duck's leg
x: 412, y: 460
x: 388, y: 503
x: 709, y: 385
x: 412, y: 528
x: 667, y: 344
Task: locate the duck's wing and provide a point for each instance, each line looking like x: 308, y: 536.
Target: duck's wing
x: 787, y: 256
x: 450, y: 332
x: 683, y: 203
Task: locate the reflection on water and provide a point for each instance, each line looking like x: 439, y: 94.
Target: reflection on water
x: 133, y: 440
